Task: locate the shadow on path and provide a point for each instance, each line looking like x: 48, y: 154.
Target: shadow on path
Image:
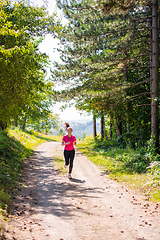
x: 49, y: 193
x: 77, y: 180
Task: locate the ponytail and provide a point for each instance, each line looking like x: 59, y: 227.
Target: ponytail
x: 66, y: 124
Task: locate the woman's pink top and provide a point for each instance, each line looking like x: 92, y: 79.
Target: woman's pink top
x: 71, y: 139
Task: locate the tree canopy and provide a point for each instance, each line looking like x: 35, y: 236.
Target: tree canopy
x: 24, y: 87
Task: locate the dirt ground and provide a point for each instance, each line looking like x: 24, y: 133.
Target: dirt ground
x: 89, y: 206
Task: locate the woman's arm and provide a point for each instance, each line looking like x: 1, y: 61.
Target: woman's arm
x: 63, y: 143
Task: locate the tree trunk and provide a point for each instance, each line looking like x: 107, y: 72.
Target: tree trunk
x: 15, y: 123
x: 154, y: 75
x: 119, y: 126
x: 127, y: 105
x: 111, y: 125
x: 102, y: 126
x: 24, y: 124
x: 94, y: 127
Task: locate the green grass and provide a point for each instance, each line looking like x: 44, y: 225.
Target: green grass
x: 122, y: 164
x: 31, y: 139
x: 58, y: 160
x: 59, y: 165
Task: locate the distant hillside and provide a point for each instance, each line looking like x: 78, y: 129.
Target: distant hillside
x: 86, y: 127
x: 81, y: 127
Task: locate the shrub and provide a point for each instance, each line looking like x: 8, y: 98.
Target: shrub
x: 133, y: 162
x: 154, y: 173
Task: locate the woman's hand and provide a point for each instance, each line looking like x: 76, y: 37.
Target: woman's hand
x: 67, y: 143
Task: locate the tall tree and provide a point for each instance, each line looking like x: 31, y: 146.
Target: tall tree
x: 22, y: 65
x: 155, y: 74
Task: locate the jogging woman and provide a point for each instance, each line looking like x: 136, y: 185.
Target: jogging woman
x: 69, y: 141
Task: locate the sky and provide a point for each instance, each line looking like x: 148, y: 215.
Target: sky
x: 49, y: 46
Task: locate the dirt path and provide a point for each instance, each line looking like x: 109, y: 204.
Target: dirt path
x: 87, y: 207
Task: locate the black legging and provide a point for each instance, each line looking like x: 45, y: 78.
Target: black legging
x: 69, y: 157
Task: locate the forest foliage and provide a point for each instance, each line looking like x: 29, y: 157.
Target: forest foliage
x: 26, y: 94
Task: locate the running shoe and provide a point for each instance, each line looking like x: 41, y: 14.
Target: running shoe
x: 69, y: 176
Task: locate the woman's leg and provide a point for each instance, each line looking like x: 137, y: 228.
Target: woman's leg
x: 66, y: 157
x: 72, y: 154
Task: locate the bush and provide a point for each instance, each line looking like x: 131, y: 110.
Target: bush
x: 133, y: 162
x: 127, y: 159
x: 154, y: 173
x: 106, y: 144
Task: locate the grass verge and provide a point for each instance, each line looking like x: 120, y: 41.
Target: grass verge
x: 58, y: 160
